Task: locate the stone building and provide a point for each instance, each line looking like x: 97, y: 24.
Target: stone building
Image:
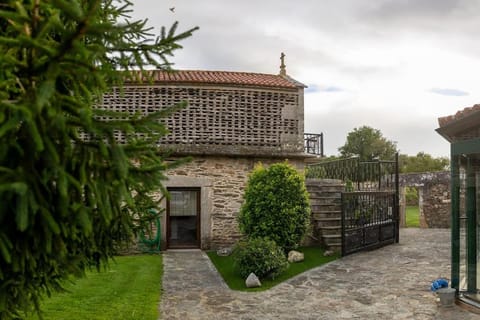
x: 233, y: 121
x: 462, y: 130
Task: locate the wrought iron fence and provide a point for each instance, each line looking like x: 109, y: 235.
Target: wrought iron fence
x: 313, y: 143
x: 375, y: 175
x: 370, y: 201
x: 367, y: 208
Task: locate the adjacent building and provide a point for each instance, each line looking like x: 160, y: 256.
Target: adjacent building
x: 462, y: 130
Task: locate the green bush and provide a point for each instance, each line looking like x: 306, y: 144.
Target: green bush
x: 411, y: 196
x: 260, y: 256
x: 276, y: 206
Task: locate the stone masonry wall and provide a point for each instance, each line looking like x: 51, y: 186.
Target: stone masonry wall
x: 436, y: 206
x: 222, y: 181
x: 434, y: 197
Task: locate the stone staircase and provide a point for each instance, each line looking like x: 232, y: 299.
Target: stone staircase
x: 325, y: 202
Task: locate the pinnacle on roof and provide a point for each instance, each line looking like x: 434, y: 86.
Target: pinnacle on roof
x: 283, y: 70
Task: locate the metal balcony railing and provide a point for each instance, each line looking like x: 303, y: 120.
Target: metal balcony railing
x: 313, y: 143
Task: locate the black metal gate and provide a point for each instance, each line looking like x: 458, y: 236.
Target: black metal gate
x: 370, y: 203
x: 368, y: 220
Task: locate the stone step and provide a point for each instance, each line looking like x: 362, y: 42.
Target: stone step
x: 329, y: 219
x: 324, y: 208
x: 335, y: 247
x: 321, y: 184
x: 332, y: 238
x: 331, y: 230
x: 329, y: 214
x: 325, y: 193
x: 326, y: 213
x: 325, y: 204
x: 332, y: 241
x: 325, y: 187
x: 327, y: 207
x: 328, y: 222
x: 323, y: 181
x: 325, y: 201
x: 309, y: 184
x: 331, y: 227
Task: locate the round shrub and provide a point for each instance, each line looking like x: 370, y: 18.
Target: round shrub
x: 276, y: 205
x: 260, y: 256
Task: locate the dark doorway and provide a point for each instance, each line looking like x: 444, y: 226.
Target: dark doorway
x: 183, y: 218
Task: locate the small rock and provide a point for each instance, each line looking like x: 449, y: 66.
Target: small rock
x: 224, y: 252
x: 328, y: 253
x: 295, y: 256
x: 252, y: 281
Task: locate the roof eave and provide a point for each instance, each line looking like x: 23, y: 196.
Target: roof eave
x: 442, y: 132
x: 454, y: 127
x: 295, y: 82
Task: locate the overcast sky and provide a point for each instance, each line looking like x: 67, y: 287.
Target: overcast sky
x: 394, y: 65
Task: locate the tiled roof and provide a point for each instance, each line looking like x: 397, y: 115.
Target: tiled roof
x: 224, y: 77
x: 443, y: 121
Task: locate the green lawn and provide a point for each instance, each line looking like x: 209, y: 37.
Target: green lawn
x: 412, y: 217
x: 226, y: 267
x: 130, y: 289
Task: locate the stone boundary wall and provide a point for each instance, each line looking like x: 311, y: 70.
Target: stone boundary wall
x: 434, y: 197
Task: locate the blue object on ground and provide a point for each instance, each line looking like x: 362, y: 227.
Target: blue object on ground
x: 439, y: 283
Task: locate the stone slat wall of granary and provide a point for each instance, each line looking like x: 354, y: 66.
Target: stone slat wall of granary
x: 220, y: 120
x: 222, y: 181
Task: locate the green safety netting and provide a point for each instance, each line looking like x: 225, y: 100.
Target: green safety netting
x: 148, y: 242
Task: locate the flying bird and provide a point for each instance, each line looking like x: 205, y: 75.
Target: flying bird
x: 172, y: 9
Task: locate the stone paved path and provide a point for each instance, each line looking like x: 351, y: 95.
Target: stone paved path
x: 389, y: 283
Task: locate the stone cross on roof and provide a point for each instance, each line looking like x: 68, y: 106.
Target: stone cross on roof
x: 283, y: 70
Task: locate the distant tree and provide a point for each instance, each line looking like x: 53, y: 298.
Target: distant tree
x: 411, y: 196
x: 422, y: 162
x: 368, y: 144
x: 69, y: 192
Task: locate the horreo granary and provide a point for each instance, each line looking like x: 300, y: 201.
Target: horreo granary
x: 233, y: 120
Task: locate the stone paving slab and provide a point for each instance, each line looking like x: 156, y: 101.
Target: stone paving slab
x: 389, y: 283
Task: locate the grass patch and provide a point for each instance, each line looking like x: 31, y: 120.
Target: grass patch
x: 129, y: 289
x: 226, y: 267
x: 412, y: 217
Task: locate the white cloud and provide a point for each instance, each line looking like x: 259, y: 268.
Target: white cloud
x: 394, y: 65
x: 448, y: 92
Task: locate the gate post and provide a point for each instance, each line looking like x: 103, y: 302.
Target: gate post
x: 342, y: 206
x: 403, y: 207
x: 397, y: 204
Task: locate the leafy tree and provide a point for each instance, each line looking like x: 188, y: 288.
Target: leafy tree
x: 368, y: 144
x: 276, y: 205
x: 422, y: 162
x: 69, y: 192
